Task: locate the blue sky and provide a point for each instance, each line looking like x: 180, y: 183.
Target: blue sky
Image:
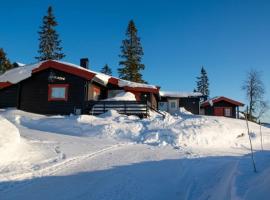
x: 227, y: 37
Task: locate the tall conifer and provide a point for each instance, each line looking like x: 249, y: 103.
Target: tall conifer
x: 4, y: 62
x: 203, y: 83
x: 49, y: 42
x: 106, y: 70
x: 131, y: 54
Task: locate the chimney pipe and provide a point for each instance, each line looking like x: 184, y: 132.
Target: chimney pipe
x: 84, y: 62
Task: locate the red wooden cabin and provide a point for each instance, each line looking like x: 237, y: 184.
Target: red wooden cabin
x: 221, y: 106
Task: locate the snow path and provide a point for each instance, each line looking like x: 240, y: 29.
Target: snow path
x: 127, y: 174
x: 55, y: 168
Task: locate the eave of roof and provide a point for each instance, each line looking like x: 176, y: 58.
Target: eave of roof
x: 65, y: 68
x: 5, y: 84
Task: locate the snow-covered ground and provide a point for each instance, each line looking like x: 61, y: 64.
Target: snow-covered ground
x: 113, y: 156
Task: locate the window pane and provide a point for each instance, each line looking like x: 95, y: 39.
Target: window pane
x: 58, y: 92
x: 173, y: 105
x: 113, y: 93
x: 96, y: 93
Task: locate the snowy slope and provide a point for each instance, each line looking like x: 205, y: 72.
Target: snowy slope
x: 9, y: 140
x: 118, y: 157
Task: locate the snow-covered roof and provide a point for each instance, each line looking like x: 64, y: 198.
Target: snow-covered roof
x: 220, y: 98
x: 20, y: 64
x: 179, y: 94
x: 18, y: 74
x: 124, y: 83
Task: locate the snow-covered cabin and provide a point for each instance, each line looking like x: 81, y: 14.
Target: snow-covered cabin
x: 172, y: 101
x: 56, y: 87
x: 221, y: 106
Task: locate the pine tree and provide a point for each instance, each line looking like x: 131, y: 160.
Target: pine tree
x: 49, y: 46
x: 4, y: 62
x: 106, y: 70
x: 203, y: 83
x: 131, y: 53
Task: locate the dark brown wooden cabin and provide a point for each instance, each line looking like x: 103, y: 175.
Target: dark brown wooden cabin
x: 60, y: 88
x: 221, y: 106
x: 9, y: 96
x: 172, y: 101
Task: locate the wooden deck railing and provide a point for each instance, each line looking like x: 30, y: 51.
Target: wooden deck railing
x: 139, y: 108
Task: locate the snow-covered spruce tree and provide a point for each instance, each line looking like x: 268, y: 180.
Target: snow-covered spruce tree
x: 131, y: 53
x: 49, y: 42
x: 4, y: 62
x: 106, y: 70
x: 203, y: 83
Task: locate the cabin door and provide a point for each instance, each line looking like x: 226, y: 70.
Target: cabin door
x: 219, y: 111
x: 173, y: 105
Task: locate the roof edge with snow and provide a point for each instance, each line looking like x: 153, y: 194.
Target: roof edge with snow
x: 179, y: 94
x: 19, y: 74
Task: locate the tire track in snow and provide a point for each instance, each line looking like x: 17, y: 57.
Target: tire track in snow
x: 53, y: 169
x: 225, y: 188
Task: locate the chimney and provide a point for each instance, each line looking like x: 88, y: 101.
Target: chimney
x: 84, y: 62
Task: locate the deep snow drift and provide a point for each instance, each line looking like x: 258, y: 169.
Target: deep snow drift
x: 9, y: 140
x: 182, y: 130
x: 113, y: 156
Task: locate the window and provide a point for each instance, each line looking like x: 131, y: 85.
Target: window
x: 173, y: 104
x: 227, y: 112
x: 113, y: 93
x: 163, y: 106
x: 57, y: 92
x: 96, y: 93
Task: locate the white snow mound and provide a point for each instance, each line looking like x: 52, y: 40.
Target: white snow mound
x: 9, y: 140
x: 122, y: 96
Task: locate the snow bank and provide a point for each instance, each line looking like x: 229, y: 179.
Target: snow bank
x: 123, y: 96
x: 182, y: 110
x: 182, y: 130
x: 9, y: 140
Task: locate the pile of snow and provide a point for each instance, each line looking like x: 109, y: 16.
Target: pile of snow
x: 183, y: 130
x: 182, y: 110
x: 110, y: 113
x: 179, y: 94
x: 241, y: 115
x: 20, y: 64
x: 122, y: 96
x: 9, y: 140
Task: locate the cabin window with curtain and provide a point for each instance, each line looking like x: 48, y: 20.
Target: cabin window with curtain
x: 57, y: 92
x: 94, y: 92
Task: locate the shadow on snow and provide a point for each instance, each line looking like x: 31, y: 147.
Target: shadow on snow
x: 197, y: 178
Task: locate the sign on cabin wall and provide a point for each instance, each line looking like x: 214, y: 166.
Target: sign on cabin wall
x: 53, y: 77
